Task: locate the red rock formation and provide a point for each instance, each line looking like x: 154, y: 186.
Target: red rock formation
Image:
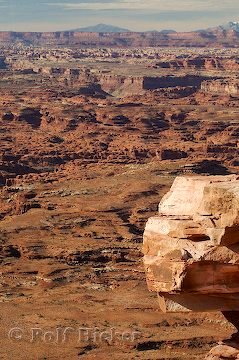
x: 191, y: 251
x: 131, y: 39
x: 200, y: 63
x: 221, y: 87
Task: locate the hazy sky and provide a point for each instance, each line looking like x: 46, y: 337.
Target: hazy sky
x: 47, y: 15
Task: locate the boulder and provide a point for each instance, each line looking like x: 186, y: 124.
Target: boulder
x: 222, y: 352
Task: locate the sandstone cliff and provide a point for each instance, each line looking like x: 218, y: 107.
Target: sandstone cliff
x: 191, y: 247
x: 221, y: 87
x: 129, y: 39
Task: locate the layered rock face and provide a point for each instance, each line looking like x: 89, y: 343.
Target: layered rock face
x: 130, y: 39
x: 191, y: 248
x: 221, y: 87
x: 200, y: 63
x: 139, y: 84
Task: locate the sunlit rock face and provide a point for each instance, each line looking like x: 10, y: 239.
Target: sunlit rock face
x: 191, y: 248
x: 221, y: 87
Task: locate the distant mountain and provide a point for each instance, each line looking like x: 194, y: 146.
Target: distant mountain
x: 102, y: 28
x: 232, y: 25
x: 214, y: 31
x: 168, y: 31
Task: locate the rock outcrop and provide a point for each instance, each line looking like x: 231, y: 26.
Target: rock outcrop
x: 191, y: 251
x: 140, y: 84
x: 191, y: 248
x: 221, y: 352
x: 221, y: 87
x: 199, y: 63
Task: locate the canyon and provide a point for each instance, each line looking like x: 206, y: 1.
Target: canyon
x: 91, y: 139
